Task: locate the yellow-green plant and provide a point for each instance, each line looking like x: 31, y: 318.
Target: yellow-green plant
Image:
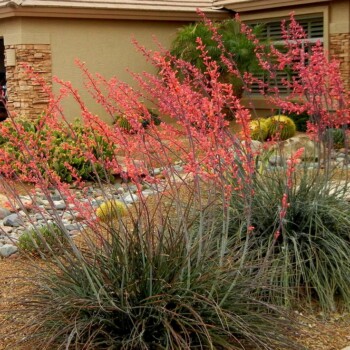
x: 281, y: 127
x: 111, y: 209
x: 259, y: 129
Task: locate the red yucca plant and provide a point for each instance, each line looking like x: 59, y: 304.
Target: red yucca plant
x: 178, y: 272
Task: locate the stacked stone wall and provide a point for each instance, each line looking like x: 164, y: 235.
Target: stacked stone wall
x: 26, y: 97
x: 340, y: 49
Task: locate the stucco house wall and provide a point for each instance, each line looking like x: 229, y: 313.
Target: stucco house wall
x: 50, y: 47
x: 49, y: 35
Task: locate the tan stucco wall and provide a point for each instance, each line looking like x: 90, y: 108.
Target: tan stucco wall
x: 105, y: 46
x: 339, y: 17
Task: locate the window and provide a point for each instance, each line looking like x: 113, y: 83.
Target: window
x: 271, y: 32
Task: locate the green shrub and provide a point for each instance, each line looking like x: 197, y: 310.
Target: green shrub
x: 42, y: 240
x: 66, y: 148
x: 335, y: 137
x: 310, y: 257
x: 123, y: 123
x: 236, y: 43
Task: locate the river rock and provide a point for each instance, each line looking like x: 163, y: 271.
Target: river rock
x: 4, y: 212
x: 256, y: 145
x: 12, y: 220
x: 288, y: 147
x: 130, y: 198
x: 59, y: 205
x: 7, y: 249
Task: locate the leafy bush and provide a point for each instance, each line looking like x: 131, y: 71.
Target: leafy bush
x: 63, y: 149
x: 336, y: 137
x: 185, y: 46
x: 42, y: 240
x: 123, y: 123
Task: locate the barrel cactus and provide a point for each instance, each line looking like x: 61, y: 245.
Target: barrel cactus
x: 110, y: 210
x: 281, y: 127
x: 258, y: 129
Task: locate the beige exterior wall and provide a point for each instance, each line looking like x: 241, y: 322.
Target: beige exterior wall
x: 105, y: 46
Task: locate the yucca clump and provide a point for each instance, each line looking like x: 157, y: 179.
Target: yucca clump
x: 111, y: 210
x: 281, y: 126
x: 308, y: 260
x: 258, y: 129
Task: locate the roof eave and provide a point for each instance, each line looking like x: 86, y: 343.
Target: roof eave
x: 100, y: 13
x: 255, y: 5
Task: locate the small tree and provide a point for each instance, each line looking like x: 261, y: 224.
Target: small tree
x: 236, y: 43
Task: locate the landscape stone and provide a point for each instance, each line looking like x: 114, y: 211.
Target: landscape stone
x: 178, y: 168
x: 4, y: 212
x: 157, y: 171
x: 130, y: 198
x: 148, y: 192
x: 256, y: 145
x: 7, y: 249
x: 12, y: 220
x: 72, y: 227
x: 6, y: 229
x: 59, y: 205
x: 288, y: 147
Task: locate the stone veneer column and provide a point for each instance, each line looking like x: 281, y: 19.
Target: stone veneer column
x: 340, y: 49
x: 26, y: 97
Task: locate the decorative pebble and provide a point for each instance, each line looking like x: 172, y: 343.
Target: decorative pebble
x: 157, y: 171
x: 71, y: 227
x: 59, y: 205
x: 130, y: 198
x: 4, y: 212
x: 7, y: 249
x: 148, y: 192
x: 12, y: 220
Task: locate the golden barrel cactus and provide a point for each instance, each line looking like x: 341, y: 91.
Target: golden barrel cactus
x: 258, y: 129
x: 111, y: 210
x: 281, y: 127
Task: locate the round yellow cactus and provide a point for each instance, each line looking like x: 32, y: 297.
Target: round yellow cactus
x: 259, y: 129
x: 281, y: 126
x: 111, y: 209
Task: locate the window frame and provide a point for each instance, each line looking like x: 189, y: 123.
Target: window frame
x: 306, y: 21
